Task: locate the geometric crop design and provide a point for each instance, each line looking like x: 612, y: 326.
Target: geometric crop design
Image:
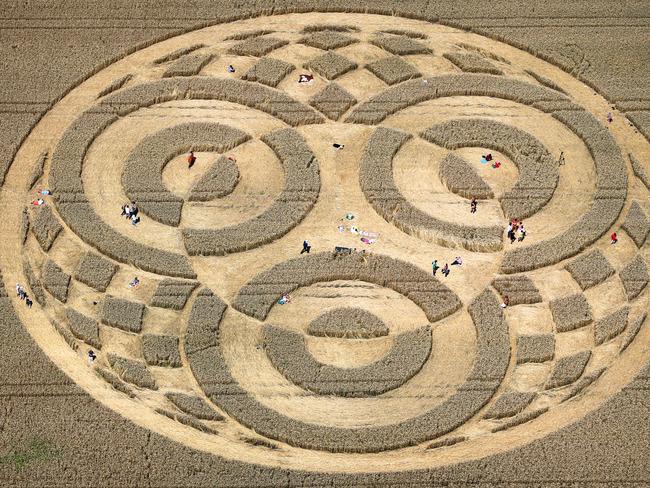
x: 355, y: 353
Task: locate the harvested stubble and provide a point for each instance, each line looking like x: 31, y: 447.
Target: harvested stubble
x: 24, y: 225
x: 257, y: 46
x: 66, y: 334
x: 348, y: 322
x: 610, y: 326
x: 327, y: 39
x: 161, y: 350
x: 641, y: 120
x: 379, y: 188
x: 132, y: 371
x: 123, y: 314
x: 220, y: 180
x: 332, y: 101
x: 447, y: 441
x: 95, y: 271
x: 269, y: 71
x: 399, y: 44
x: 257, y: 296
x: 173, y: 293
x: 639, y: 171
x: 492, y: 357
x: 590, y: 269
x: 570, y: 312
x: 472, y: 63
x: 538, y: 169
x: 65, y: 182
x: 142, y: 173
x: 115, y: 85
x: 535, y: 348
x: 518, y: 288
x: 568, y: 369
x: 637, y: 224
x: 461, y: 178
x: 583, y: 383
x: 240, y: 36
x: 83, y: 327
x: 289, y: 354
x: 634, y: 276
x: 300, y: 192
x: 330, y: 27
x: 633, y: 330
x: 186, y: 420
x: 509, y: 403
x: 393, y: 70
x: 55, y: 280
x: 194, y: 405
x: 34, y: 284
x: 188, y: 65
x: 520, y: 419
x: 396, y: 98
x: 178, y: 53
x: 406, y: 33
x: 203, y: 323
x: 115, y: 381
x: 547, y: 82
x: 273, y: 102
x: 331, y: 65
x: 45, y: 226
x: 37, y: 172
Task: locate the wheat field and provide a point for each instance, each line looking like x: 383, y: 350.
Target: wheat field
x: 198, y: 346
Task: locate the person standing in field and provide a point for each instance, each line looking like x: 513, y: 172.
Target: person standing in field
x: 305, y: 247
x: 191, y: 159
x: 614, y: 238
x: 511, y: 232
x: 472, y: 205
x: 445, y: 270
x: 434, y: 266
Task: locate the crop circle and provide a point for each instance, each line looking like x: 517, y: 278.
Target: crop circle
x: 373, y: 160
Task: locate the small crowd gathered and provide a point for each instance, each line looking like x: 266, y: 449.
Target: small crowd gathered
x: 131, y: 213
x: 22, y: 294
x: 516, y: 231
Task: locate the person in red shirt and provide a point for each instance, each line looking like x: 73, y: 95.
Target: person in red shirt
x: 614, y: 238
x: 191, y: 159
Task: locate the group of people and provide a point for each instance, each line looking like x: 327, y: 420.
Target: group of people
x: 131, y: 212
x: 458, y: 261
x: 516, y: 231
x: 487, y: 158
x: 39, y: 201
x: 22, y: 294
